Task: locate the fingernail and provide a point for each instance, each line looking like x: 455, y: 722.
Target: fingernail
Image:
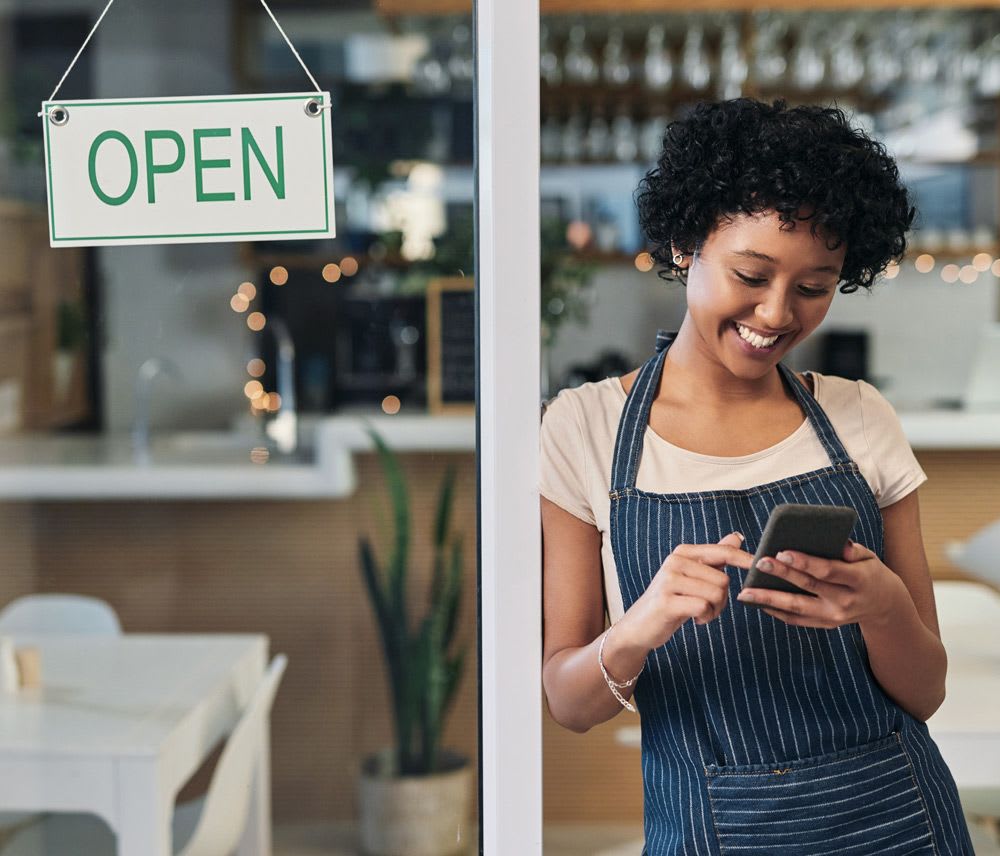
x: 765, y: 565
x: 745, y: 595
x: 741, y: 536
x: 784, y: 557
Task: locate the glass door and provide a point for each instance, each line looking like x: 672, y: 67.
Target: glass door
x: 281, y: 444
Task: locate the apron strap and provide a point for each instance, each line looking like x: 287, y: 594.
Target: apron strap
x: 817, y: 415
x: 635, y: 415
x: 639, y: 402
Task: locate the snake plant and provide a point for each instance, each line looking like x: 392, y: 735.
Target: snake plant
x: 423, y: 675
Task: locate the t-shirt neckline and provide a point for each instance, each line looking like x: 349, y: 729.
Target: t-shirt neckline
x: 794, y: 437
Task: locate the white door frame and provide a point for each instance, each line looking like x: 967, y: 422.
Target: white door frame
x: 508, y: 416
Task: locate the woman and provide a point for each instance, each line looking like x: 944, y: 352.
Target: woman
x: 795, y: 726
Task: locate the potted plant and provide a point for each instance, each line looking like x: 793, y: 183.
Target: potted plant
x: 414, y: 795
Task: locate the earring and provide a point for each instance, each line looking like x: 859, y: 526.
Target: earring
x: 678, y: 258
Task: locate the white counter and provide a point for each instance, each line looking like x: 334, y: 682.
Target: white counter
x: 216, y: 465
x: 951, y: 429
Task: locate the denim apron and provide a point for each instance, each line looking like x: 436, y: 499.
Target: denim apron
x: 759, y: 737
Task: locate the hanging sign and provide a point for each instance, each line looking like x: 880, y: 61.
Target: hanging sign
x: 189, y: 170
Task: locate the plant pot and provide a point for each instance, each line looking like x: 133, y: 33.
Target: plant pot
x: 414, y: 815
x: 62, y: 374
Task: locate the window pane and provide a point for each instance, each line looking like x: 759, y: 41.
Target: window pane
x: 184, y: 436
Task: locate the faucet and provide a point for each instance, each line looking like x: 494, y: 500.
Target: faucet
x: 283, y: 428
x: 147, y: 373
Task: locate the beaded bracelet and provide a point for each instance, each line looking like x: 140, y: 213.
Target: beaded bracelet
x: 612, y: 684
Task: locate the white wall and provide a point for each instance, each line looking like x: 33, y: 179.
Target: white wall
x: 923, y: 331
x: 170, y: 301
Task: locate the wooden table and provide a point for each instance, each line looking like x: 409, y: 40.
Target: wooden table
x: 121, y: 723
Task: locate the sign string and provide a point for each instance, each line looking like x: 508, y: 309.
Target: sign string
x: 100, y: 18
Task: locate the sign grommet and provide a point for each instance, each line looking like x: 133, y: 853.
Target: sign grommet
x: 58, y: 115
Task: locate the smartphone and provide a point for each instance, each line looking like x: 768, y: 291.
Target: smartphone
x: 819, y: 530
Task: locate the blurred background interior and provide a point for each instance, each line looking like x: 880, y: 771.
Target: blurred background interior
x: 182, y: 427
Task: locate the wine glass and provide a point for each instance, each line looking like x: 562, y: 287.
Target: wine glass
x: 733, y: 66
x: 615, y: 66
x: 624, y: 143
x: 548, y: 60
x: 769, y: 64
x: 657, y: 64
x: 808, y: 60
x: 695, y: 66
x: 572, y: 135
x: 988, y: 84
x: 847, y: 64
x: 579, y: 65
x: 883, y: 57
x: 597, y: 142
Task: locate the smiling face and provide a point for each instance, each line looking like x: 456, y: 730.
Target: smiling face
x: 752, y: 281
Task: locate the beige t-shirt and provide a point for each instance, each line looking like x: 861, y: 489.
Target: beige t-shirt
x: 578, y: 432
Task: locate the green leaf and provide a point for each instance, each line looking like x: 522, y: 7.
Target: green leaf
x: 401, y: 515
x: 453, y: 674
x: 455, y: 587
x: 444, y: 507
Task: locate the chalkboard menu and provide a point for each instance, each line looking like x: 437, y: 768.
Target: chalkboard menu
x: 451, y: 345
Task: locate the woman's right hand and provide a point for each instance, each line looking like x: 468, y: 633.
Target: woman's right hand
x: 689, y: 584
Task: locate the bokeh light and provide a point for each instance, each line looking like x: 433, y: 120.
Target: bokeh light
x: 982, y: 261
x: 331, y: 272
x: 968, y: 274
x: 578, y: 234
x: 256, y: 321
x: 279, y: 275
x: 391, y: 405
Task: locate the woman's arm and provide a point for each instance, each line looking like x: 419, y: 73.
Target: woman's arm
x: 573, y: 620
x: 904, y: 646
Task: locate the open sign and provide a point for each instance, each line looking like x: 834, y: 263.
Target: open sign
x: 179, y: 170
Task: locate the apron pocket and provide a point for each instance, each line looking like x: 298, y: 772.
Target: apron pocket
x: 856, y: 801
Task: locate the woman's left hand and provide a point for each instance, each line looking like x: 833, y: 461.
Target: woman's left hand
x: 857, y: 588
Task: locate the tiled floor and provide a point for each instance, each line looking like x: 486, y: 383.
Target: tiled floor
x: 559, y: 840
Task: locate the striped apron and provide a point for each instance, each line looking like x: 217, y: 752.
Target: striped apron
x: 759, y: 737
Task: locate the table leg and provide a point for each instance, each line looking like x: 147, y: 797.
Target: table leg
x: 256, y: 839
x: 145, y: 809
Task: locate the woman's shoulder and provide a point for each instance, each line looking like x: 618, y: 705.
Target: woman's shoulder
x: 855, y: 401
x: 588, y: 399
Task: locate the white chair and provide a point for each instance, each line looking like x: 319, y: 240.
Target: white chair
x: 207, y: 827
x: 59, y: 613
x: 52, y: 613
x: 978, y: 554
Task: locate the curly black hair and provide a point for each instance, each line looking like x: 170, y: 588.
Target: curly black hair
x: 804, y: 162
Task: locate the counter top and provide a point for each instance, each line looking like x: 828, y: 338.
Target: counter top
x: 239, y: 465
x: 951, y: 429
x: 216, y: 464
